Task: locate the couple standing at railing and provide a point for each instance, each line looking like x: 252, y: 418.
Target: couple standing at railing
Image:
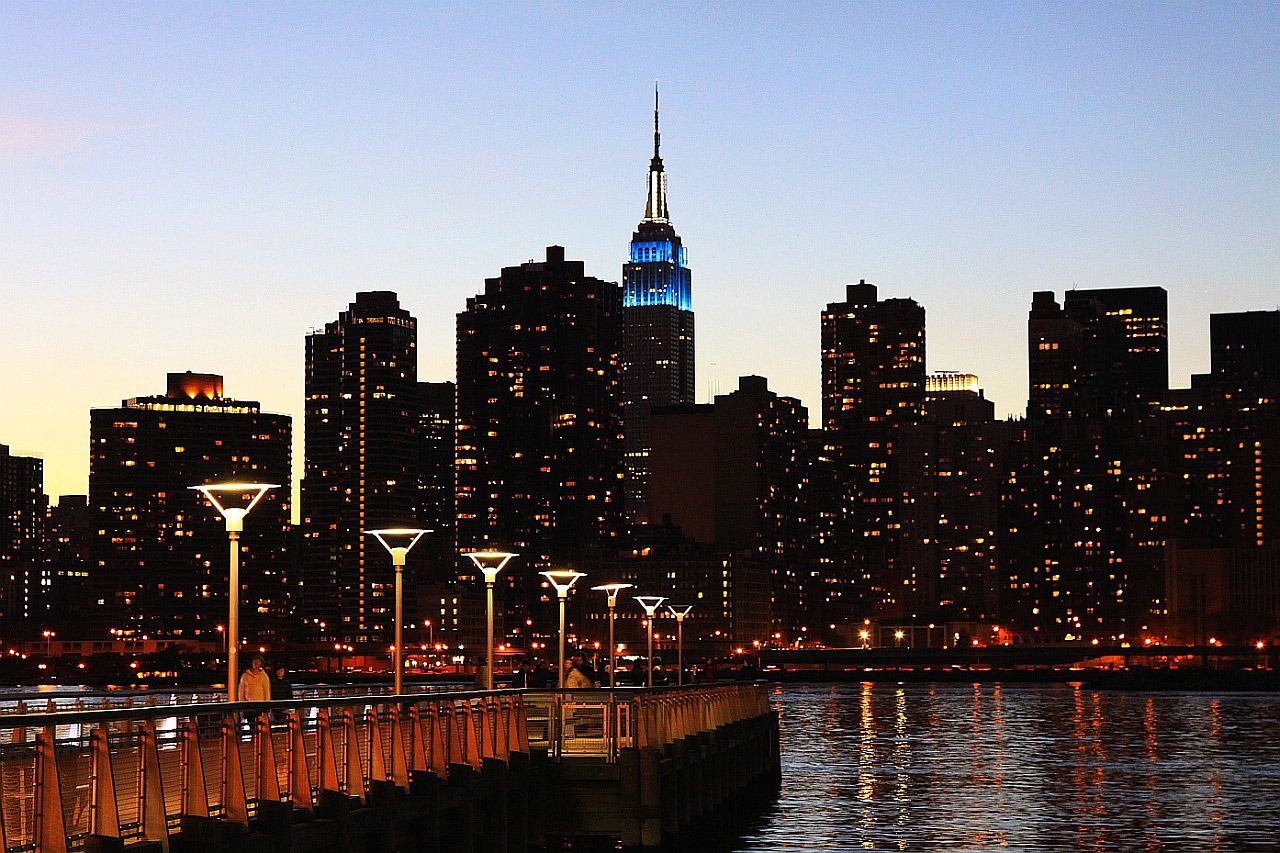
x: 256, y: 685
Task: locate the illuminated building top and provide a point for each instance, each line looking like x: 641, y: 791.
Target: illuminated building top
x: 658, y: 273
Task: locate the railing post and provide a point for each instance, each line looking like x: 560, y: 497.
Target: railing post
x: 438, y: 757
x: 399, y: 763
x: 377, y: 758
x: 326, y: 758
x: 351, y: 747
x: 104, y: 813
x: 417, y: 740
x: 265, y: 760
x: 299, y: 774
x: 151, y: 811
x: 235, y: 805
x: 195, y: 799
x: 50, y: 823
x: 522, y: 726
x: 456, y: 755
x: 472, y: 745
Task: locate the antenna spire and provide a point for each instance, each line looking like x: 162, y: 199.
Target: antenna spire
x: 657, y: 137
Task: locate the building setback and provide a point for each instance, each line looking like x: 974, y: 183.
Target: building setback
x: 539, y: 422
x: 362, y: 466
x: 657, y: 338
x: 159, y: 549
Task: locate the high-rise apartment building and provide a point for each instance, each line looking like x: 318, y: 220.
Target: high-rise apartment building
x: 362, y: 465
x: 1103, y: 351
x: 159, y: 550
x: 873, y: 376
x: 22, y: 513
x: 952, y: 471
x: 730, y: 475
x: 657, y: 324
x: 539, y: 419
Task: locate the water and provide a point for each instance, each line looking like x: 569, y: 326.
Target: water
x: 1026, y: 767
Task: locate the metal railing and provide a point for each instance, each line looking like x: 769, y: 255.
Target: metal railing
x: 586, y: 723
x: 135, y: 773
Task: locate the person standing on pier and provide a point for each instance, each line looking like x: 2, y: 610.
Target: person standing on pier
x: 255, y: 684
x: 574, y: 677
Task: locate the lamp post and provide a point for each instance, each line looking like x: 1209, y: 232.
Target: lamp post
x: 490, y: 563
x: 221, y: 496
x: 563, y: 580
x: 398, y: 541
x: 612, y: 590
x: 679, y: 611
x: 650, y: 603
x: 48, y: 642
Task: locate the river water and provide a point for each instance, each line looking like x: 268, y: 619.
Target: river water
x: 1021, y: 767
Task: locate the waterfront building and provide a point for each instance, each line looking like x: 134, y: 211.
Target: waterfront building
x: 437, y: 490
x: 22, y: 527
x: 361, y: 468
x: 159, y: 550
x: 730, y: 475
x: 953, y: 466
x: 657, y: 337
x: 873, y: 376
x: 70, y: 541
x: 539, y: 424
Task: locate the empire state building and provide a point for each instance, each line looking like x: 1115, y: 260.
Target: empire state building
x: 657, y: 320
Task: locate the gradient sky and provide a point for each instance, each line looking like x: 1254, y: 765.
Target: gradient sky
x: 192, y: 186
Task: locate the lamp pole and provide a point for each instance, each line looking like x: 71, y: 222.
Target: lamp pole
x: 221, y: 496
x: 612, y: 590
x: 490, y: 563
x: 563, y: 580
x: 650, y: 603
x: 679, y: 611
x: 398, y: 541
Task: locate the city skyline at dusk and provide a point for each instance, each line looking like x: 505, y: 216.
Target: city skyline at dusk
x: 197, y: 189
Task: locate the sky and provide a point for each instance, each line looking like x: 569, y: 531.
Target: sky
x: 196, y: 186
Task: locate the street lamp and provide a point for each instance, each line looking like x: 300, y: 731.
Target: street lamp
x: 490, y: 563
x: 563, y: 580
x: 650, y: 603
x: 222, y: 496
x: 612, y: 590
x: 679, y: 611
x: 48, y: 642
x: 398, y: 541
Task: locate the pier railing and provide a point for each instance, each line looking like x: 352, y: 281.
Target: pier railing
x: 138, y: 773
x: 135, y: 773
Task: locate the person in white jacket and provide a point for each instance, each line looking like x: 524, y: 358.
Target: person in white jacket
x: 255, y: 683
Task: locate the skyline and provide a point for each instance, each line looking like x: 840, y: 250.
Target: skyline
x: 285, y: 159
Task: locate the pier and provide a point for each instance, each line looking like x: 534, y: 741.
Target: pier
x: 487, y: 771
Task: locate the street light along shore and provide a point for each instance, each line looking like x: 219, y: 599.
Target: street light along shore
x: 490, y: 563
x: 233, y: 502
x: 398, y: 541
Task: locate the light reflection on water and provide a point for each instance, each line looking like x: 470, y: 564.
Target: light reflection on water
x: 1022, y: 767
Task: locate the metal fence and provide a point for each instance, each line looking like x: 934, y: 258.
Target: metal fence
x: 134, y: 773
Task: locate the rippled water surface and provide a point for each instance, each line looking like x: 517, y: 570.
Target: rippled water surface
x: 1044, y: 767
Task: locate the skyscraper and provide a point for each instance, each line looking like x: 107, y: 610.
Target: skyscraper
x: 159, y: 551
x: 22, y: 512
x: 873, y: 376
x: 657, y: 324
x: 362, y: 465
x: 539, y: 419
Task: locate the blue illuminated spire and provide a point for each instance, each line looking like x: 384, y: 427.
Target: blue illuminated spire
x: 659, y: 270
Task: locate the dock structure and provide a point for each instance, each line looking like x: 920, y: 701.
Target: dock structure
x: 482, y: 772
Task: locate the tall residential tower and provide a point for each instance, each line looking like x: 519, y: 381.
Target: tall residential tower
x: 657, y: 323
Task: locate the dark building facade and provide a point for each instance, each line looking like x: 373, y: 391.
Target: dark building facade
x: 730, y: 475
x: 362, y: 466
x: 159, y: 549
x: 873, y: 376
x: 22, y: 529
x: 539, y: 423
x: 1103, y: 352
x: 657, y: 322
x: 953, y: 467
